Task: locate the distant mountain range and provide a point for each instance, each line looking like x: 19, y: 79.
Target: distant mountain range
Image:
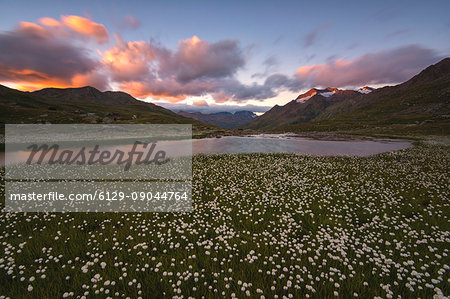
x: 420, y: 105
x: 83, y: 105
x: 225, y: 120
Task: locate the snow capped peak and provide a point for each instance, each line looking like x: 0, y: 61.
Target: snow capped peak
x: 328, y: 92
x: 306, y: 96
x: 334, y: 90
x: 365, y: 90
x: 303, y: 99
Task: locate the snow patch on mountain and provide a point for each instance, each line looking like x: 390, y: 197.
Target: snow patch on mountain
x: 365, y: 90
x: 327, y: 94
x: 304, y: 99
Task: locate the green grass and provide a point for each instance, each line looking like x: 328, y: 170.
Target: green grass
x: 260, y: 219
x: 22, y: 107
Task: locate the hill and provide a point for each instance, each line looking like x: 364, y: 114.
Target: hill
x: 83, y: 105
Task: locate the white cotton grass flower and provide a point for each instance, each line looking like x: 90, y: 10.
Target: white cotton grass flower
x: 299, y: 226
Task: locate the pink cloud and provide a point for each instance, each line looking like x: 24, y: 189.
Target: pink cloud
x: 196, y: 58
x: 54, y: 53
x: 86, y: 27
x: 195, y: 68
x: 384, y: 67
x: 143, y: 90
x: 69, y: 26
x: 50, y: 22
x: 34, y: 56
x: 201, y: 103
x: 129, y: 61
x: 32, y: 29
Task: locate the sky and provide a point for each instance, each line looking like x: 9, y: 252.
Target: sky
x: 215, y: 56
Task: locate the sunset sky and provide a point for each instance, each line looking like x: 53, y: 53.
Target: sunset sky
x: 216, y: 55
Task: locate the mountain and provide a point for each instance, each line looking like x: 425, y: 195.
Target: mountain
x: 366, y: 89
x: 224, y: 120
x: 91, y: 95
x: 82, y: 105
x: 305, y: 108
x: 419, y: 106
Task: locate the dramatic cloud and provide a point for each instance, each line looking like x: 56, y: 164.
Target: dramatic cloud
x: 236, y: 91
x: 385, y: 67
x: 212, y: 108
x: 60, y: 53
x: 95, y: 78
x: 222, y: 90
x: 75, y: 26
x: 202, y: 103
x: 50, y: 22
x: 86, y: 27
x: 168, y: 89
x: 195, y: 68
x: 195, y: 59
x: 129, y: 61
x: 31, y: 55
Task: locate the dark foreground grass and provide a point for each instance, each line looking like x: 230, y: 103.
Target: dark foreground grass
x: 263, y: 225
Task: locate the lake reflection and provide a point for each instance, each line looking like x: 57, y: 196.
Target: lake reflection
x: 233, y: 144
x: 263, y: 144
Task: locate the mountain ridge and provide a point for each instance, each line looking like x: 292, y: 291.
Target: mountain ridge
x: 83, y: 105
x: 304, y: 108
x: 419, y: 105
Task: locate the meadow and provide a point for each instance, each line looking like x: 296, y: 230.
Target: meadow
x: 263, y: 225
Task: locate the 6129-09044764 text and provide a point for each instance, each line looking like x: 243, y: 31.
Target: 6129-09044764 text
x: 100, y: 195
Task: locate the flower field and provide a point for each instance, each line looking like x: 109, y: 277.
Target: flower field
x: 263, y: 225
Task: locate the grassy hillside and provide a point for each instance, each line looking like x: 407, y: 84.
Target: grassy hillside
x: 84, y: 105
